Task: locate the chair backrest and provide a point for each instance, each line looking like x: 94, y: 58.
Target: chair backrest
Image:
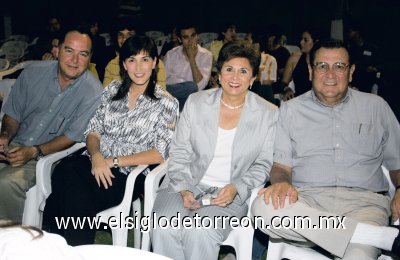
x: 154, y: 34
x: 207, y: 37
x: 18, y: 38
x: 21, y: 44
x: 292, y: 48
x: 107, y: 38
x: 240, y: 36
x: 4, y: 64
x: 13, y: 53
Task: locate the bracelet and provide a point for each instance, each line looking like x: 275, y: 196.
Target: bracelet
x: 397, y: 187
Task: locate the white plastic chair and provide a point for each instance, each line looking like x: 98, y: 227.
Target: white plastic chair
x: 278, y: 249
x: 154, y: 34
x: 4, y: 64
x: 18, y: 37
x: 240, y: 36
x: 107, y: 38
x: 240, y: 239
x: 207, y: 37
x: 22, y: 44
x: 150, y: 190
x: 13, y: 53
x: 120, y: 235
x: 292, y: 48
x: 19, y: 66
x: 37, y: 195
x: 107, y: 252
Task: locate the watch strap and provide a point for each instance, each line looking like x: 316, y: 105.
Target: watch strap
x: 39, y: 153
x: 115, y: 162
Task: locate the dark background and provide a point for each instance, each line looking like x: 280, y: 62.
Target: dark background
x: 379, y: 18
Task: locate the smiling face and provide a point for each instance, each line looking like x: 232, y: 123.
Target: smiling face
x: 236, y: 76
x: 139, y: 68
x: 331, y: 87
x: 74, y: 56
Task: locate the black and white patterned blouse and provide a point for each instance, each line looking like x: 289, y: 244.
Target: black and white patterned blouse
x: 150, y: 124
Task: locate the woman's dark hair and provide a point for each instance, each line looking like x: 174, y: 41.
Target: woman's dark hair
x: 315, y: 33
x: 133, y: 46
x: 233, y: 50
x: 223, y: 28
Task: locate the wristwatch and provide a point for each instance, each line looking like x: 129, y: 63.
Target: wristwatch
x: 39, y: 154
x: 115, y: 162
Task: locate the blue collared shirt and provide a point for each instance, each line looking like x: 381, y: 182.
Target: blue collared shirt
x: 44, y: 111
x: 344, y: 145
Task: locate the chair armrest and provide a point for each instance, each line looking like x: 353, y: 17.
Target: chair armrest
x: 43, y: 168
x: 253, y: 196
x: 151, y: 185
x: 130, y: 184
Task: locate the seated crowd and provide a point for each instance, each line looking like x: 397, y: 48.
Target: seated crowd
x: 212, y: 114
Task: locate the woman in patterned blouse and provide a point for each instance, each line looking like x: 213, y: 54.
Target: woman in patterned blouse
x: 132, y: 126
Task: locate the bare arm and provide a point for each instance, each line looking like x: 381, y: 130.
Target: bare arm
x: 20, y: 155
x: 147, y: 157
x: 196, y: 73
x: 395, y: 204
x: 9, y: 128
x: 288, y: 93
x: 280, y: 173
x: 289, y: 68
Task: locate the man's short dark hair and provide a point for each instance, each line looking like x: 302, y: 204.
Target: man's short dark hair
x: 328, y: 44
x: 233, y: 50
x: 184, y: 26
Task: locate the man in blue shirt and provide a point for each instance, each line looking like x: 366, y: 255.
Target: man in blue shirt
x: 47, y: 111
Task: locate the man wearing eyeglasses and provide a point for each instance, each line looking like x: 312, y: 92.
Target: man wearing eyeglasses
x: 330, y: 145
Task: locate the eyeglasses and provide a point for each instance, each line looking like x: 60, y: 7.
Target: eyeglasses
x: 338, y: 67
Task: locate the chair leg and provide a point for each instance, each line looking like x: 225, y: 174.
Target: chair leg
x: 119, y: 236
x: 136, y: 206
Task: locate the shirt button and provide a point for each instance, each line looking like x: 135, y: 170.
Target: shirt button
x: 337, y: 145
x: 40, y: 124
x: 337, y: 126
x: 50, y: 110
x: 31, y: 139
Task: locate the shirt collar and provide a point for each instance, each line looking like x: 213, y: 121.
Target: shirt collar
x: 343, y: 101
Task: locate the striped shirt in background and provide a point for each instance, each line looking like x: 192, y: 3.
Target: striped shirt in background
x: 150, y: 124
x: 268, y: 68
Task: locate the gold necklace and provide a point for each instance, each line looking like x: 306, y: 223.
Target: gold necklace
x: 232, y: 107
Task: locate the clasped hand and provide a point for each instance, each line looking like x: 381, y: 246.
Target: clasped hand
x: 223, y: 199
x: 16, y: 156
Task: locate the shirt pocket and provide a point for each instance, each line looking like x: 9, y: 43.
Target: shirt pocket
x: 363, y: 138
x: 58, y: 125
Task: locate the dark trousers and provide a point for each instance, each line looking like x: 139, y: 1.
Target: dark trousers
x: 75, y: 193
x: 182, y: 91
